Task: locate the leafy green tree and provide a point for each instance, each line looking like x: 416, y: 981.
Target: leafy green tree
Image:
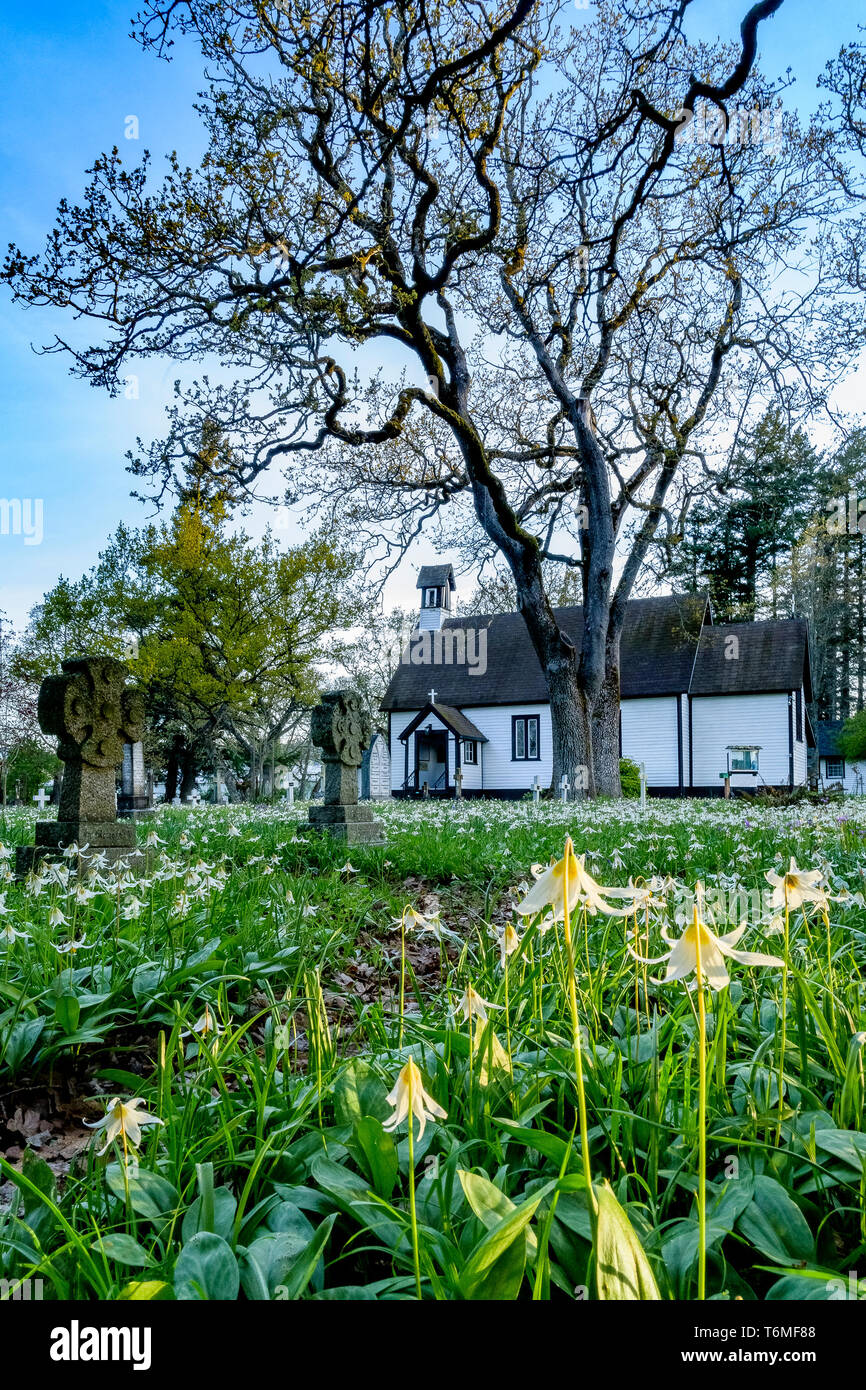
x: 222, y: 634
x: 739, y: 537
x: 852, y: 737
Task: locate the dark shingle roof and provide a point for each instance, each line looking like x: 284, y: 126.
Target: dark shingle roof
x: 435, y: 576
x: 454, y: 718
x: 659, y: 642
x: 771, y: 655
x: 828, y: 737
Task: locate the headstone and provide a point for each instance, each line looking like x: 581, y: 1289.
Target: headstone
x: 175, y: 800
x: 536, y: 789
x: 563, y: 787
x: 91, y: 714
x: 642, y: 767
x: 376, y: 770
x: 195, y: 797
x: 341, y: 728
x: 133, y: 797
x: 41, y: 799
x: 290, y: 794
x: 458, y: 783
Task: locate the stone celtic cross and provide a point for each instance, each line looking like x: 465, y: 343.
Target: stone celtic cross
x: 341, y: 728
x: 92, y: 715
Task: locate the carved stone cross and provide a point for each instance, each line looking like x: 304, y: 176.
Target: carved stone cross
x: 341, y: 728
x: 92, y: 716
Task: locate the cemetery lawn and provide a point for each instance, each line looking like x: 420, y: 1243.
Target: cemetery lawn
x: 245, y: 991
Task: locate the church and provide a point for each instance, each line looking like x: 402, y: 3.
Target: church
x: 700, y: 703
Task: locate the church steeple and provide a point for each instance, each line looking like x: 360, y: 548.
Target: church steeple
x: 438, y: 588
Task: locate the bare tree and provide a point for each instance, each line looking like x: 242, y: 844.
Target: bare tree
x: 575, y: 287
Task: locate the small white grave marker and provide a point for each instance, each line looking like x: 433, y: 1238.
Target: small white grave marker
x: 563, y: 787
x: 41, y: 799
x: 536, y: 789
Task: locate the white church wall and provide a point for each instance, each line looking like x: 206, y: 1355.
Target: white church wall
x: 722, y: 720
x: 649, y: 736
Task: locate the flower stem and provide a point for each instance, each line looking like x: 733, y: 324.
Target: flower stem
x: 575, y: 1033
x: 783, y: 1030
x: 702, y: 1120
x: 413, y: 1216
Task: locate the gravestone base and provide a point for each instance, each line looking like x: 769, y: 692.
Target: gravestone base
x: 355, y: 824
x: 29, y: 857
x: 113, y: 839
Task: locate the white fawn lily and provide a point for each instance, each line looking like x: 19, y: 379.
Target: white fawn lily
x: 123, y: 1119
x: 682, y: 958
x: 409, y: 1098
x: 473, y: 1006
x: 549, y: 890
x: 796, y: 886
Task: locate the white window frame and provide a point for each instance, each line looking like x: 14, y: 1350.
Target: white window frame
x: 839, y: 763
x: 754, y: 758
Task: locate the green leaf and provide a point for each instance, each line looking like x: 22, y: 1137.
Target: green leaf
x: 150, y: 1194
x: 346, y: 1293
x: 302, y: 1271
x: 150, y: 1290
x: 222, y: 1214
x: 793, y: 1288
x: 775, y: 1225
x: 352, y: 1193
x: 490, y: 1204
x: 21, y: 1041
x: 548, y: 1144
x: 67, y: 1012
x: 123, y: 1249
x: 358, y: 1091
x: 206, y: 1269
x: 268, y: 1261
x: 380, y: 1152
x: 847, y: 1144
x: 622, y: 1269
x: 40, y: 1174
x: 497, y: 1241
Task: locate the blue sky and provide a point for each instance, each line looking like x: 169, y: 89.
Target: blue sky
x: 71, y: 78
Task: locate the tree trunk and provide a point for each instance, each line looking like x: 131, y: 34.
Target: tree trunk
x: 571, y: 731
x: 188, y: 772
x: 605, y: 730
x: 171, y: 775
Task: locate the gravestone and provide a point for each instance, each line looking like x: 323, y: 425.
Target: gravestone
x: 92, y: 715
x: 341, y: 728
x: 133, y: 798
x: 376, y: 770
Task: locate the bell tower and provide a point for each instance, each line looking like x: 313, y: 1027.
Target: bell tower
x: 438, y: 589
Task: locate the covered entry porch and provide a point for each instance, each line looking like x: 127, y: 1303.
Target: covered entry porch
x: 441, y: 747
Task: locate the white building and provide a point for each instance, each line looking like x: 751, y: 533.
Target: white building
x: 698, y: 701
x: 833, y: 768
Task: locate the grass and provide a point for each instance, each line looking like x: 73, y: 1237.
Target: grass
x: 273, y: 1175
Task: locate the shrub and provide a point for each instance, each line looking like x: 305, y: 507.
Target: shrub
x: 629, y: 776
